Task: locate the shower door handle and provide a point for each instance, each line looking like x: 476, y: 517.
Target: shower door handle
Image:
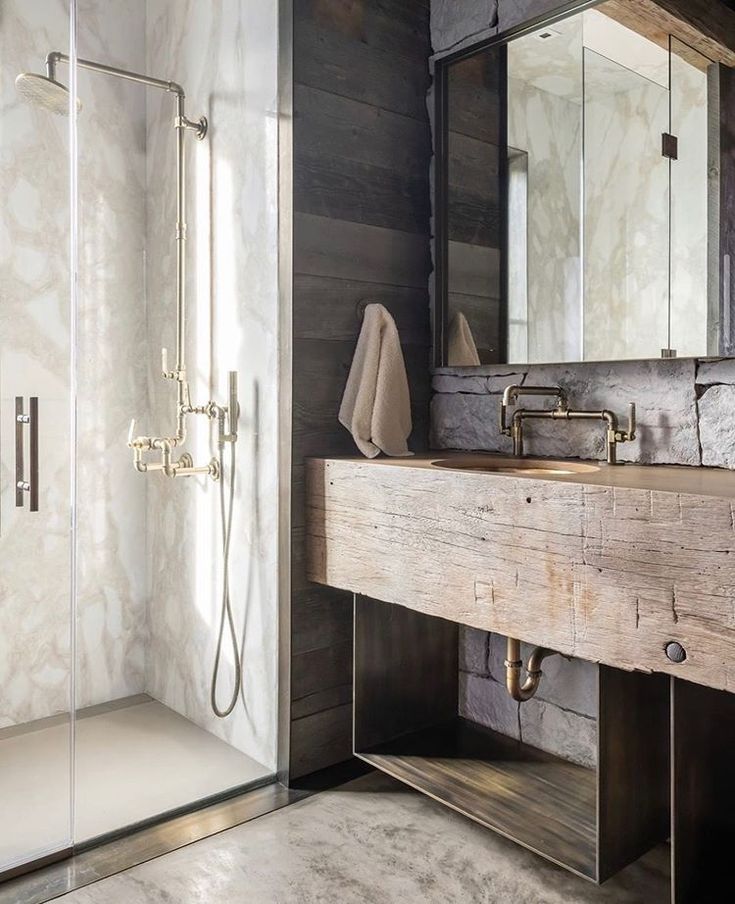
x: 22, y: 420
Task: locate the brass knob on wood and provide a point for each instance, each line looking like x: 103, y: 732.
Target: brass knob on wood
x: 675, y: 652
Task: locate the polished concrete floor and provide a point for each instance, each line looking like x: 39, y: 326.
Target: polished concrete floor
x: 370, y: 842
x: 133, y: 761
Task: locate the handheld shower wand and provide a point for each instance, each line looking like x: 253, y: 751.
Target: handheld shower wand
x: 228, y: 416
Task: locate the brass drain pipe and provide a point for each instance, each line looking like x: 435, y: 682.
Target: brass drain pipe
x: 514, y: 667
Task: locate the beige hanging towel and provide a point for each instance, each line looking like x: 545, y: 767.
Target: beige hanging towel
x: 376, y: 406
x: 462, y: 348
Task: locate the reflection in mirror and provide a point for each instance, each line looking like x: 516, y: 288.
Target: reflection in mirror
x: 626, y: 194
x: 476, y: 145
x: 581, y: 195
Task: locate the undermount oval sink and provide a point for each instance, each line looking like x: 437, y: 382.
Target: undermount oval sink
x: 519, y: 466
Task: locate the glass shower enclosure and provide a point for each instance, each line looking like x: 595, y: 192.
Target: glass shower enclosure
x: 138, y: 564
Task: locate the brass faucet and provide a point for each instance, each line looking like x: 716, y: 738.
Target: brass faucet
x: 561, y: 412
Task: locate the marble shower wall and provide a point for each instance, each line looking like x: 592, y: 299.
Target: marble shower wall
x: 112, y: 346
x: 148, y: 550
x: 225, y: 56
x: 36, y: 610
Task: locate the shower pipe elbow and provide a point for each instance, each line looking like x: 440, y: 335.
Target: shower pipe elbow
x: 521, y: 692
x: 52, y: 61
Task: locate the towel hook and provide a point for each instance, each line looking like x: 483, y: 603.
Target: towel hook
x: 360, y: 308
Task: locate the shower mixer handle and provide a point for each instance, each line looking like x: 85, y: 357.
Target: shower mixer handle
x: 233, y: 409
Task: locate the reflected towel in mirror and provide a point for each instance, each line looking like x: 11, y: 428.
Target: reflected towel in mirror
x: 462, y: 350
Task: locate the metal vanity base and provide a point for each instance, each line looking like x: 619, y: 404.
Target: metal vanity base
x: 664, y: 758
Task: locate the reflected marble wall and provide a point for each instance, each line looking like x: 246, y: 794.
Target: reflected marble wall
x: 626, y: 215
x: 549, y: 128
x: 225, y: 56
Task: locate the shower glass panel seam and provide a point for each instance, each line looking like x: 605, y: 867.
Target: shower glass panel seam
x: 73, y: 376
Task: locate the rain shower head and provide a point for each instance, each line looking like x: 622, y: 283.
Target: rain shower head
x: 44, y: 92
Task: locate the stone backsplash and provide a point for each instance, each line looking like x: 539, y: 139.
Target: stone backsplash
x: 686, y: 410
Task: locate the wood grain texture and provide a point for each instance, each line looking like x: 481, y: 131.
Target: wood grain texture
x: 361, y: 232
x: 701, y: 25
x: 533, y: 798
x: 328, y: 308
x: 324, y: 246
x: 330, y: 125
x: 351, y: 68
x: 603, y: 573
x: 355, y: 191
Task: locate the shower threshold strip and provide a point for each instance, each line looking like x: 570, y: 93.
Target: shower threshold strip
x: 110, y: 855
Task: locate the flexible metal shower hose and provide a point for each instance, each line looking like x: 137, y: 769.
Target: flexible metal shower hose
x: 226, y: 612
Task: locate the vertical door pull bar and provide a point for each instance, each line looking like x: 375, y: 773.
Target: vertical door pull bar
x: 34, y: 452
x: 23, y: 486
x: 20, y: 420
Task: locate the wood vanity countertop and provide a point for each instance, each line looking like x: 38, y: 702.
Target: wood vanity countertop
x: 661, y: 478
x: 610, y: 565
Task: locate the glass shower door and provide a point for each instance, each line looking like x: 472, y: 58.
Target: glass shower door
x: 626, y: 209
x: 36, y: 445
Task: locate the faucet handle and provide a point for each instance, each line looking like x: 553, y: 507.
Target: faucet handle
x: 626, y: 436
x: 131, y: 433
x: 631, y: 421
x: 165, y: 373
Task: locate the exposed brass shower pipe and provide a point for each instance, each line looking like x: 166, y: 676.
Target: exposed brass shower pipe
x: 165, y: 445
x: 514, y: 666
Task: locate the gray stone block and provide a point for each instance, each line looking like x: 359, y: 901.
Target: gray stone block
x: 454, y: 22
x: 515, y: 12
x: 473, y: 645
x: 451, y: 384
x: 565, y: 734
x: 467, y: 422
x: 570, y: 684
x: 499, y: 383
x: 717, y: 426
x: 496, y: 657
x: 486, y: 702
x: 709, y: 373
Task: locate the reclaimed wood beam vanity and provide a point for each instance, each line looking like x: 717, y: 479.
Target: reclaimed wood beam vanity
x: 630, y: 567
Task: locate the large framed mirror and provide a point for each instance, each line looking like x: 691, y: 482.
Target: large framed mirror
x: 581, y: 192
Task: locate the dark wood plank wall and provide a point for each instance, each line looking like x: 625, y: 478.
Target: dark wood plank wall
x: 362, y: 147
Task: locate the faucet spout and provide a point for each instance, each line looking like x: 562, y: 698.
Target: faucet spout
x: 510, y: 397
x: 562, y: 412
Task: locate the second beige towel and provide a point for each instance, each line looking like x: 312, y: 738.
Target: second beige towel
x: 376, y: 406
